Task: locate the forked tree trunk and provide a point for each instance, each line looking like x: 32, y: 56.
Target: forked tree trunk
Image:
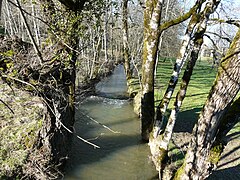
x: 197, y: 163
x: 182, y: 56
x: 152, y: 16
x: 159, y: 146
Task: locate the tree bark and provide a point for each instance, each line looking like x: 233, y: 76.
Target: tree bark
x: 197, y: 164
x: 0, y: 9
x: 228, y: 121
x: 180, y: 61
x: 152, y: 16
x: 231, y: 118
x: 159, y: 149
x: 126, y: 53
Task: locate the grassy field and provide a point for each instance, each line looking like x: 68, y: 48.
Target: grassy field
x: 197, y: 92
x: 199, y: 87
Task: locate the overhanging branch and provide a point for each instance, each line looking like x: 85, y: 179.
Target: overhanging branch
x: 181, y: 18
x: 218, y: 35
x: 235, y: 22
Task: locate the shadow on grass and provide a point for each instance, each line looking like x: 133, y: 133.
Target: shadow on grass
x: 197, y: 94
x: 186, y: 120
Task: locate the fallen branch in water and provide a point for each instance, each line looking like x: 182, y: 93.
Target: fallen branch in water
x: 57, y: 115
x: 99, y: 123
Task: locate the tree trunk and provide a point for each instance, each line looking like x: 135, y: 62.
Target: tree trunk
x: 197, y: 164
x: 0, y: 9
x: 180, y: 61
x: 30, y: 33
x: 62, y: 97
x: 126, y: 53
x: 105, y: 34
x: 158, y: 147
x: 152, y: 16
x: 227, y: 123
x: 96, y: 53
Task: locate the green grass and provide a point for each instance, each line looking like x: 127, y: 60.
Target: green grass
x: 199, y: 86
x: 197, y: 92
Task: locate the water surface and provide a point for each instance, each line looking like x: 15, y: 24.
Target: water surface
x: 121, y: 154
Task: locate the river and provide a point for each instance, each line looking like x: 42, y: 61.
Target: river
x: 108, y: 121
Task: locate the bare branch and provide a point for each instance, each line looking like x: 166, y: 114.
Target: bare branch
x: 29, y: 32
x: 229, y: 21
x: 218, y: 35
x: 181, y: 18
x: 7, y: 106
x: 99, y: 123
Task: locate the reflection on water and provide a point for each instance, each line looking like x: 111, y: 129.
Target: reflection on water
x: 121, y: 155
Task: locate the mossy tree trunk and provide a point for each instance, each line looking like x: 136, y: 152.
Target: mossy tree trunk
x: 228, y: 121
x: 152, y: 17
x: 61, y: 97
x: 159, y: 146
x: 152, y: 32
x: 198, y: 164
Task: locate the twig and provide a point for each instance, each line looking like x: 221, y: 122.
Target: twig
x: 7, y: 106
x: 235, y: 22
x: 29, y: 32
x: 100, y: 123
x: 82, y: 139
x: 57, y: 118
x: 88, y: 142
x: 21, y: 81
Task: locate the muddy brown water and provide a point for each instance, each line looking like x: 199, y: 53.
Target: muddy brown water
x: 121, y: 154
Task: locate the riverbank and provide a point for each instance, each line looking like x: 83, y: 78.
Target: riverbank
x: 22, y: 117
x: 36, y: 124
